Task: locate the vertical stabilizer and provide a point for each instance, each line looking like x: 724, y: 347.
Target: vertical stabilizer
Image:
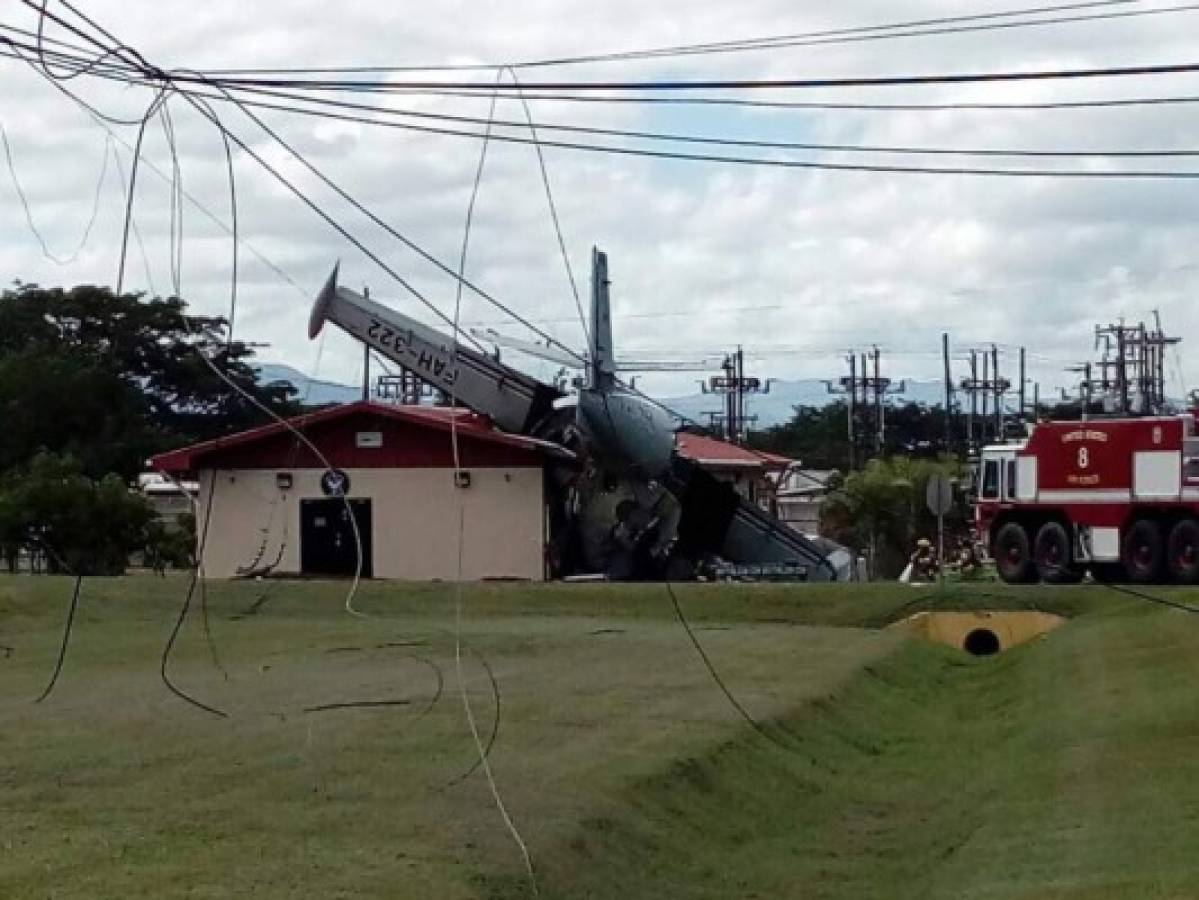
x: 602, y: 370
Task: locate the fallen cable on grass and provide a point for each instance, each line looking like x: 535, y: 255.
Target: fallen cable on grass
x: 66, y: 640
x: 356, y: 704
x: 374, y: 704
x: 733, y: 701
x: 170, y: 644
x: 495, y: 724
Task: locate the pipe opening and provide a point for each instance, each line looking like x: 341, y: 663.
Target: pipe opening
x: 981, y: 642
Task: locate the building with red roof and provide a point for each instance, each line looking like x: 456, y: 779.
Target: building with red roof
x: 381, y: 476
x: 269, y: 504
x: 749, y: 470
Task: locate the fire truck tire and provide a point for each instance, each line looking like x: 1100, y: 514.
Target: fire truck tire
x: 1182, y: 552
x: 1051, y: 555
x: 1013, y: 556
x: 1142, y: 552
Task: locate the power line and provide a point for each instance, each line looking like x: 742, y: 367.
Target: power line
x: 682, y: 138
x: 737, y: 102
x: 727, y: 84
x: 87, y: 229
x: 801, y: 164
x: 759, y: 161
x: 125, y: 73
x: 808, y: 38
x: 658, y: 85
x: 742, y: 160
x: 661, y: 136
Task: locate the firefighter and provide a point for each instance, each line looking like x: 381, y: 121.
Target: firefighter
x: 924, y: 561
x: 967, y: 560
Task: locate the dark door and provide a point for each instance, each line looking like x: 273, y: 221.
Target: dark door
x: 327, y: 545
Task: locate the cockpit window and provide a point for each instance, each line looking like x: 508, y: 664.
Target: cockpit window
x: 1009, y: 486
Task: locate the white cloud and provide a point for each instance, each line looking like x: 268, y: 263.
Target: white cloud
x: 853, y: 259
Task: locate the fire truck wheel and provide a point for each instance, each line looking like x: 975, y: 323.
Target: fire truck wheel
x: 1013, y: 558
x: 1142, y: 552
x: 1051, y: 554
x: 1182, y: 552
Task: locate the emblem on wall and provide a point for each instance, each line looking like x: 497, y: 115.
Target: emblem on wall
x: 335, y: 483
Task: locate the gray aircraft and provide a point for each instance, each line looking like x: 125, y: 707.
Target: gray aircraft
x: 623, y: 502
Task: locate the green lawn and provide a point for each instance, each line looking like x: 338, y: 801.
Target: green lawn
x: 1067, y: 768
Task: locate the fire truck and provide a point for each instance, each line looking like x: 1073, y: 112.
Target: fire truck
x: 1116, y: 497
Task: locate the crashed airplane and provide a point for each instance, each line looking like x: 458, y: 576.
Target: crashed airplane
x: 623, y: 503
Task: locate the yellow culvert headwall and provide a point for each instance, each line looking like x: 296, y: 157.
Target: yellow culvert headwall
x: 980, y: 633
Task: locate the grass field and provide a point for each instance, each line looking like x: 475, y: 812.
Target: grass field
x: 1067, y: 768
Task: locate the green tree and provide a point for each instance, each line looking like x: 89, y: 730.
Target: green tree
x: 819, y: 435
x: 111, y: 379
x: 881, y: 510
x: 83, y: 526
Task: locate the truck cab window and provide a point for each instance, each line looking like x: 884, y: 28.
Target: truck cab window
x: 1009, y: 486
x: 990, y: 489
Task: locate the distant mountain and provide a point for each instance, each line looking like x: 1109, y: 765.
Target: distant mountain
x: 778, y: 406
x: 312, y: 391
x: 771, y: 409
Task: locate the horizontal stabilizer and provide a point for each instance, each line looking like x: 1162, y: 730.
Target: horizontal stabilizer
x: 552, y: 354
x: 514, y: 401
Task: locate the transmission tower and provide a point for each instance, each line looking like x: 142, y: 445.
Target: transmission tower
x: 734, y: 385
x: 865, y: 391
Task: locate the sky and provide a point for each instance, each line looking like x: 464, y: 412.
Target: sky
x: 797, y: 266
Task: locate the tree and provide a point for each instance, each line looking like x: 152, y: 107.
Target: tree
x: 819, y: 435
x: 111, y: 379
x: 881, y: 510
x: 80, y: 525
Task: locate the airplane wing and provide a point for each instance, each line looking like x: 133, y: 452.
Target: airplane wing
x: 555, y: 355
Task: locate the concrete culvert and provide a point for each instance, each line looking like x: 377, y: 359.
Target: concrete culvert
x: 982, y: 632
x: 981, y: 642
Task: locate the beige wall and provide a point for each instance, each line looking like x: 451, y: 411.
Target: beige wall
x: 414, y: 520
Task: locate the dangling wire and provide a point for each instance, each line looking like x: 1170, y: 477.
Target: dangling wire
x: 549, y: 196
x: 68, y: 627
x: 484, y: 761
x: 87, y: 230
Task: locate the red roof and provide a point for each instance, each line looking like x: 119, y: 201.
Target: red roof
x: 260, y: 446
x: 721, y: 454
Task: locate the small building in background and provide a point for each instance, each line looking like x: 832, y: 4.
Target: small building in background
x: 169, y: 498
x: 267, y: 504
x: 800, y: 495
x: 752, y: 472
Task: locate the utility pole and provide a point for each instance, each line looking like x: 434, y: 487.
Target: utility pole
x: 734, y: 385
x: 880, y: 427
x: 995, y: 382
x: 1023, y: 379
x: 948, y: 393
x: 986, y: 408
x: 1138, y: 364
x: 874, y: 388
x: 973, y: 400
x: 990, y: 387
x: 366, y: 360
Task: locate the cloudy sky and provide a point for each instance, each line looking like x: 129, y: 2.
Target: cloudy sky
x: 795, y: 265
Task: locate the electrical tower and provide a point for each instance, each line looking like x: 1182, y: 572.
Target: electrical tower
x: 1129, y: 378
x: 985, y: 416
x: 734, y: 385
x: 865, y: 395
x: 404, y: 389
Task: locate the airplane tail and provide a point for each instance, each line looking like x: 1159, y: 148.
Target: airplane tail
x: 602, y: 369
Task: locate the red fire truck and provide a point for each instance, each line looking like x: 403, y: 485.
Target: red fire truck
x: 1116, y: 497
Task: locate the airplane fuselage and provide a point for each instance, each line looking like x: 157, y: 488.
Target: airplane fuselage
x: 628, y: 429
